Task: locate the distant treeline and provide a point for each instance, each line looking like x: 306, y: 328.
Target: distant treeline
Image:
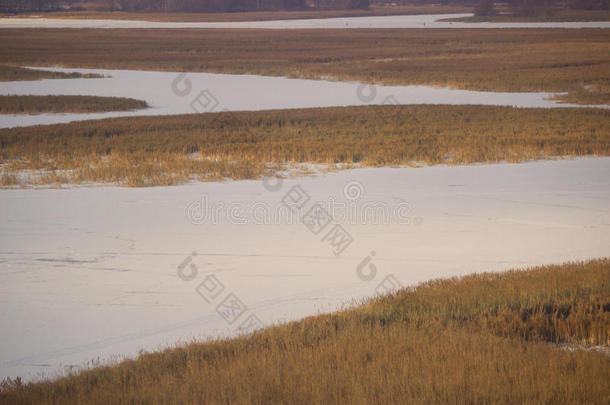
x: 483, y: 7
x: 30, y: 5
x: 214, y: 6
x: 203, y: 6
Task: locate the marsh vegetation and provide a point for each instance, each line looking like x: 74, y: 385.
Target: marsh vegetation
x: 61, y: 104
x: 16, y: 73
x: 551, y: 15
x: 513, y: 60
x: 257, y: 15
x: 484, y: 338
x: 141, y: 151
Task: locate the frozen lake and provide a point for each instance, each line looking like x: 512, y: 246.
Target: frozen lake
x: 93, y: 272
x: 397, y: 21
x: 175, y: 93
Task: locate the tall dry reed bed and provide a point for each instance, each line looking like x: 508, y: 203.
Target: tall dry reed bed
x: 16, y: 73
x: 261, y: 15
x: 476, y: 59
x: 473, y: 340
x: 247, y: 145
x: 13, y: 104
x: 551, y: 15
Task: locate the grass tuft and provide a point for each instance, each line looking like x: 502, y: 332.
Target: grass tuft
x: 63, y: 104
x: 14, y: 73
x: 484, y: 338
x: 146, y: 151
x: 512, y: 60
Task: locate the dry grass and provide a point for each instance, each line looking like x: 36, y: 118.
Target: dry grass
x: 550, y: 16
x: 554, y: 60
x: 61, y: 104
x: 142, y: 151
x: 252, y: 15
x: 588, y: 95
x: 476, y: 340
x: 14, y: 73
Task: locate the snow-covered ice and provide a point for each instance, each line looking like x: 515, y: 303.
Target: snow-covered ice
x: 92, y: 272
x: 395, y: 21
x: 186, y: 93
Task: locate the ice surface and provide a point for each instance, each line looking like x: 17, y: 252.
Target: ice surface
x: 185, y: 93
x: 396, y: 21
x: 92, y: 272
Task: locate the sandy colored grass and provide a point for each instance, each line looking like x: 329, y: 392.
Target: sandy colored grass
x: 550, y: 16
x: 588, y: 95
x: 62, y: 104
x: 553, y: 60
x: 142, y: 151
x: 251, y: 15
x: 15, y: 73
x: 474, y: 340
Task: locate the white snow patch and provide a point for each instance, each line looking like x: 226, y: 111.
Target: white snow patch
x: 170, y: 93
x: 395, y: 21
x: 89, y: 273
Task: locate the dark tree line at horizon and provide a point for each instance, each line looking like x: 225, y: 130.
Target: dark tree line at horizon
x: 30, y: 5
x: 483, y: 7
x: 235, y: 5
x: 190, y: 5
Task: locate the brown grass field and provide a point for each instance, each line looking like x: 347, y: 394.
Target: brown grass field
x: 60, y: 104
x: 15, y: 73
x: 588, y: 96
x: 251, y: 16
x: 481, y: 339
x: 551, y: 16
x: 144, y: 151
x: 554, y: 60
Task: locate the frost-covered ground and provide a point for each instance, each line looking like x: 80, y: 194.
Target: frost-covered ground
x: 89, y: 273
x: 395, y: 21
x: 186, y: 93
